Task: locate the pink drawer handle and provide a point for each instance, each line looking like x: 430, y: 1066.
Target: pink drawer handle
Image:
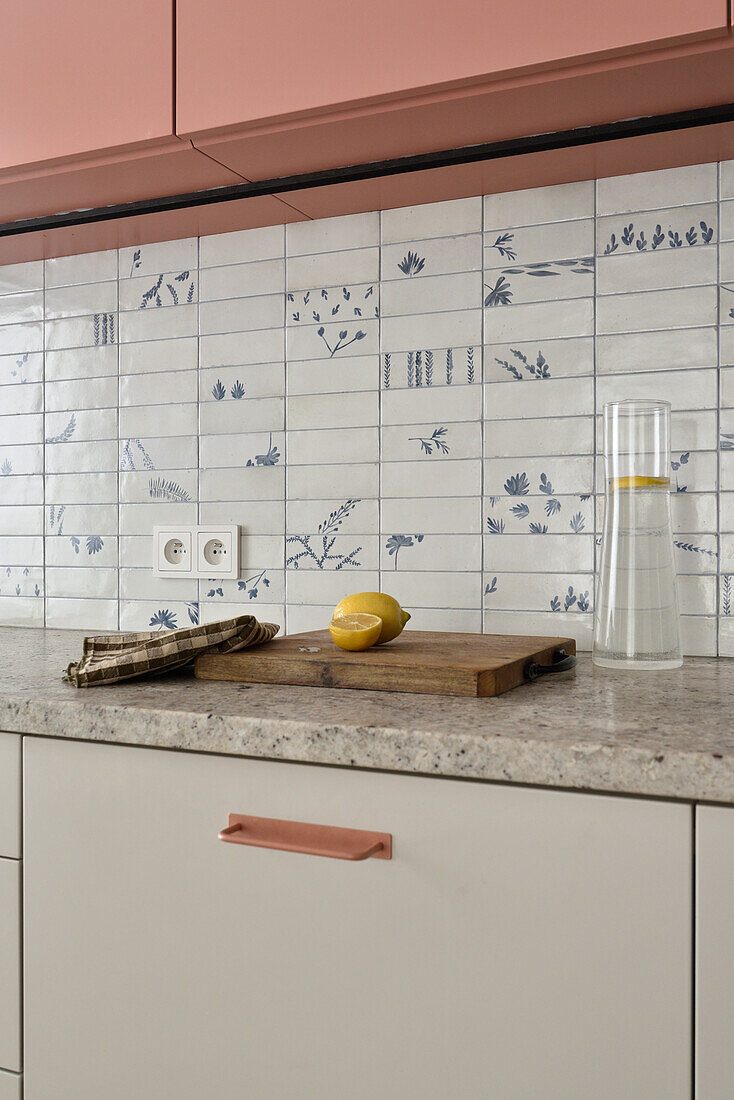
x: 312, y: 840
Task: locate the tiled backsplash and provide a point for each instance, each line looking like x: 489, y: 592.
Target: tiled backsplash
x: 406, y: 400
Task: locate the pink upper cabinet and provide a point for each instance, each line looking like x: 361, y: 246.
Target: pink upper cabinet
x: 241, y: 64
x: 80, y: 76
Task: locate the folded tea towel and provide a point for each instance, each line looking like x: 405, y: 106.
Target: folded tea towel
x: 112, y: 657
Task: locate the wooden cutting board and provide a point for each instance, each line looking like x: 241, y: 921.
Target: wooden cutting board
x: 433, y: 662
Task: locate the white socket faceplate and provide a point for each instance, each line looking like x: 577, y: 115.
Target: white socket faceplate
x: 218, y: 551
x: 173, y: 552
x: 189, y: 551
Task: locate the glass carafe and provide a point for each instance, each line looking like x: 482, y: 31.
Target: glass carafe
x: 636, y: 623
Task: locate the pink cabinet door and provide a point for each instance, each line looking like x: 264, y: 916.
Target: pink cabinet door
x: 237, y: 66
x: 80, y: 76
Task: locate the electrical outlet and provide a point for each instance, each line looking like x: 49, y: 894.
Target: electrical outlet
x: 173, y: 551
x: 218, y: 551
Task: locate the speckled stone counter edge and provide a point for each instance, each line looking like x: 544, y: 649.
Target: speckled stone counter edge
x: 618, y: 768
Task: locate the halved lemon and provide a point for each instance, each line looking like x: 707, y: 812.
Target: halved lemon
x: 355, y: 632
x: 638, y: 481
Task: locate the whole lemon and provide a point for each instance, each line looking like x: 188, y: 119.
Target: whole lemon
x: 375, y: 603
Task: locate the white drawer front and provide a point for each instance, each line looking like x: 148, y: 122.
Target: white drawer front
x: 9, y: 1086
x: 10, y: 746
x: 9, y: 966
x: 520, y: 943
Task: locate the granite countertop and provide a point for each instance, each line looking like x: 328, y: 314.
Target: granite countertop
x: 668, y: 734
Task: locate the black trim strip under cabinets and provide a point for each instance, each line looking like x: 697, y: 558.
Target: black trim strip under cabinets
x: 469, y: 154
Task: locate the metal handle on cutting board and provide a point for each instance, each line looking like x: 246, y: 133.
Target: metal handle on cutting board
x: 562, y: 662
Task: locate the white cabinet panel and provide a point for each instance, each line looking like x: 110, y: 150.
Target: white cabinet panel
x: 9, y: 964
x: 714, y: 953
x: 10, y: 1085
x: 520, y: 943
x: 10, y: 795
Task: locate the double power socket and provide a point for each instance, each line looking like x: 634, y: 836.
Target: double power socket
x: 191, y: 551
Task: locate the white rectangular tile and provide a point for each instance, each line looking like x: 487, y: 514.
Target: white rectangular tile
x: 457, y: 328
x: 82, y: 393
x: 539, y: 321
x: 539, y: 398
x: 669, y: 267
x: 91, y: 267
x: 459, y: 477
x: 656, y: 351
x: 558, y: 554
x: 244, y: 246
x: 332, y: 234
x: 242, y: 280
x: 89, y: 362
x: 229, y: 417
x: 436, y: 219
x: 432, y: 294
x: 85, y: 299
x: 159, y: 388
x: 21, y: 308
x: 18, y: 339
x: 350, y: 480
x: 139, y: 421
x: 335, y: 411
x: 159, y: 355
x: 561, y: 202
x: 332, y: 446
x: 18, y: 277
x: 328, y: 269
x: 263, y: 346
x: 157, y: 324
x: 652, y: 190
x: 242, y: 314
x: 667, y: 310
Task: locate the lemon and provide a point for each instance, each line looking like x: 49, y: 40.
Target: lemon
x: 355, y: 632
x: 638, y: 481
x: 376, y: 603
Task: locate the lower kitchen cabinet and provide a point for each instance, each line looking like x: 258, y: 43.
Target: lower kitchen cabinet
x: 10, y: 1086
x: 10, y: 993
x: 520, y: 943
x: 714, y: 953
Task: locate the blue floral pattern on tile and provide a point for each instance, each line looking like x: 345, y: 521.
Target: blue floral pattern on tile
x: 19, y: 372
x: 250, y: 584
x: 135, y: 456
x: 21, y: 581
x: 503, y: 245
x: 317, y: 548
x: 676, y: 464
x: 160, y: 488
x: 396, y: 543
x: 570, y: 601
x: 6, y: 467
x: 633, y: 238
x: 163, y: 620
x: 177, y: 295
x: 537, y: 370
x: 411, y: 264
x: 66, y: 434
x: 434, y: 444
x: 426, y: 367
x: 270, y: 458
x: 103, y: 328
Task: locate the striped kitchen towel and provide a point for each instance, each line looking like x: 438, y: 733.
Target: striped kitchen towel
x: 109, y: 658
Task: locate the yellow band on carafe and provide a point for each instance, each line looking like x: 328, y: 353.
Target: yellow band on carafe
x: 638, y: 481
